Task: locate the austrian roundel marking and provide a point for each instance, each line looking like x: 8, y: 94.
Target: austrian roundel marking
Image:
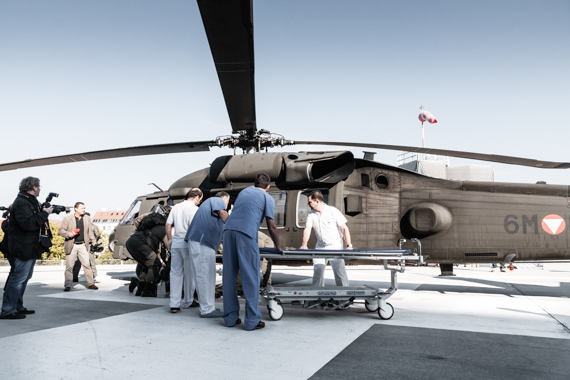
x: 553, y: 224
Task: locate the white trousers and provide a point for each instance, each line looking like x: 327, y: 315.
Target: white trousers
x: 204, y: 271
x: 339, y: 270
x: 181, y: 278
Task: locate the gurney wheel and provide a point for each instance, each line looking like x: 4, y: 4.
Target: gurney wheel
x: 387, y: 312
x: 275, y: 313
x: 371, y: 307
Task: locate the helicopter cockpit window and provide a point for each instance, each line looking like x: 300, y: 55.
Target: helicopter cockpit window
x: 159, y: 209
x: 132, y: 213
x: 382, y: 181
x: 303, y: 208
x: 280, y: 198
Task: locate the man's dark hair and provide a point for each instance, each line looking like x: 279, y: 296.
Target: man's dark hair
x: 29, y: 183
x: 222, y: 194
x: 317, y: 196
x: 77, y: 204
x: 193, y: 193
x: 262, y: 180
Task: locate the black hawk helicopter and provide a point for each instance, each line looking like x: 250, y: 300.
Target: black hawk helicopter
x: 457, y: 221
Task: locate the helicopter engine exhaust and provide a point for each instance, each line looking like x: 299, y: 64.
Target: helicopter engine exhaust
x: 294, y: 168
x: 425, y: 219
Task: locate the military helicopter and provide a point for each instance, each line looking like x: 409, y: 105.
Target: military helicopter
x: 457, y: 221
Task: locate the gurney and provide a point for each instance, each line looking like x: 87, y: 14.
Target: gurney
x: 338, y: 297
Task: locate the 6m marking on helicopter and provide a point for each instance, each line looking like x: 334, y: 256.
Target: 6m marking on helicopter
x: 552, y: 224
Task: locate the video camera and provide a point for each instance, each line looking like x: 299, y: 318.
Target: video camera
x: 56, y: 208
x: 6, y: 212
x: 97, y: 248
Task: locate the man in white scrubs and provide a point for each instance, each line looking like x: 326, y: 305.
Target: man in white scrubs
x: 181, y: 277
x: 330, y: 227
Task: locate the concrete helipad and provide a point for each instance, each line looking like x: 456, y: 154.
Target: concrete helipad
x: 476, y: 325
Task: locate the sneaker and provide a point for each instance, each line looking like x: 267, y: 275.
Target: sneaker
x: 93, y: 287
x: 193, y: 304
x: 133, y: 284
x: 66, y: 289
x: 26, y: 311
x: 214, y: 314
x: 13, y: 316
x: 174, y: 309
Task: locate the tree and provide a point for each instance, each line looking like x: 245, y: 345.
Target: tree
x: 106, y: 254
x: 56, y: 250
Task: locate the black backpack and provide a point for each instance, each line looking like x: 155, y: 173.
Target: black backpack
x: 150, y: 221
x: 4, y: 243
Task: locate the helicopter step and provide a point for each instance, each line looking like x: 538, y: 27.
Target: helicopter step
x: 337, y: 297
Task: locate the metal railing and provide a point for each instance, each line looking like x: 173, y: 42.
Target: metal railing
x: 406, y: 157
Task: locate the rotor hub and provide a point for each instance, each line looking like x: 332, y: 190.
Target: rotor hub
x: 259, y: 140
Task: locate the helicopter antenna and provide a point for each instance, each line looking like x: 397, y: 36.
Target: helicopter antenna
x: 155, y: 185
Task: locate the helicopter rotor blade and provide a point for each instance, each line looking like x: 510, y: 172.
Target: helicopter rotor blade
x: 452, y: 153
x: 196, y: 146
x: 229, y: 28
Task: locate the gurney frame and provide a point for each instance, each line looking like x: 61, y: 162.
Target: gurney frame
x: 338, y: 297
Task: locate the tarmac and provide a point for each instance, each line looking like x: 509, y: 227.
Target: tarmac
x: 477, y: 324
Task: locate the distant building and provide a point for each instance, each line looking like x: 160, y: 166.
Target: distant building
x: 439, y: 167
x: 106, y: 221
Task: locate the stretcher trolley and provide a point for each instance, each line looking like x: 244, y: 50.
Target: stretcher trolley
x: 338, y: 297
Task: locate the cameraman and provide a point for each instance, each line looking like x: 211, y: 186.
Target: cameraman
x: 78, y: 233
x: 27, y: 222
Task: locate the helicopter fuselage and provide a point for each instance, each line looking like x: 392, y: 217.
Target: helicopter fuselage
x: 456, y: 221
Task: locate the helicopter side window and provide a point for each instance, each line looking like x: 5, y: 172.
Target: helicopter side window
x: 303, y: 208
x: 382, y: 181
x: 280, y: 198
x: 132, y: 213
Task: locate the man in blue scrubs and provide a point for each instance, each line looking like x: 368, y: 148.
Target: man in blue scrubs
x: 241, y: 251
x: 204, y: 237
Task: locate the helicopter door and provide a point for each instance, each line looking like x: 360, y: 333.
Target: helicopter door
x: 280, y: 198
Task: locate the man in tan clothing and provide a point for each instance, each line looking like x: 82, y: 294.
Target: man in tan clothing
x: 78, y: 233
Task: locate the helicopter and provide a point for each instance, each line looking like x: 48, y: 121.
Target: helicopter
x: 457, y: 221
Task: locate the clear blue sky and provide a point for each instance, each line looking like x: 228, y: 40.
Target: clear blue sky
x: 88, y: 75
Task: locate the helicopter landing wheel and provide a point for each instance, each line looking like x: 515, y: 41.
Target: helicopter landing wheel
x: 386, y: 312
x: 275, y: 311
x: 371, y: 306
